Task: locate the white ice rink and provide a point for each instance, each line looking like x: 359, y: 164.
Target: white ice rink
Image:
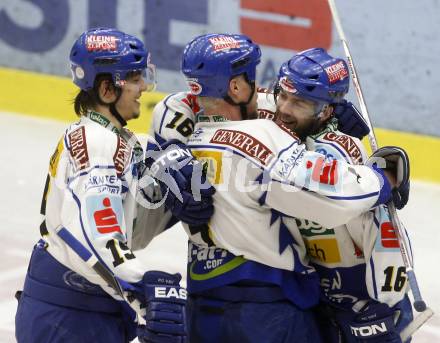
x: 26, y: 145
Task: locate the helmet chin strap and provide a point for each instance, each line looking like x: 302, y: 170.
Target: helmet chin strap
x: 113, y: 110
x: 243, y: 104
x: 116, y: 114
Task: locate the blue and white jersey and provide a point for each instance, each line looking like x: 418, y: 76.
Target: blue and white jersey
x: 340, y: 253
x: 262, y: 172
x: 359, y: 260
x: 90, y: 191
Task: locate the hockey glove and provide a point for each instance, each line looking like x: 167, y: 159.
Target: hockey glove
x: 394, y: 160
x: 350, y: 121
x: 375, y: 323
x: 188, y: 195
x: 165, y: 309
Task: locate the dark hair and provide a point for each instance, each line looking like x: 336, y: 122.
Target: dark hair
x: 86, y: 100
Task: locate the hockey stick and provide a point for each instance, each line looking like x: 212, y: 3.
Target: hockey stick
x: 419, y: 304
x: 76, y: 246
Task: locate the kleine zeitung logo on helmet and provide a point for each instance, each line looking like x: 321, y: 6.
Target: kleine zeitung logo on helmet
x: 100, y: 42
x: 195, y: 87
x: 287, y: 85
x: 223, y: 42
x: 336, y: 72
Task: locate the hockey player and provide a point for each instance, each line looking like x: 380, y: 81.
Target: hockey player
x: 225, y: 287
x: 89, y: 209
x: 366, y: 249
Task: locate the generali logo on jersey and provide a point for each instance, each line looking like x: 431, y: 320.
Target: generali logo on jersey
x: 121, y: 156
x: 336, y: 72
x: 78, y: 148
x: 347, y: 143
x: 99, y: 42
x: 245, y: 143
x: 222, y: 43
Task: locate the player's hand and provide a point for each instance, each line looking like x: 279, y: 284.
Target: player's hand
x: 350, y: 121
x: 165, y: 309
x: 183, y: 182
x: 394, y: 163
x: 374, y: 324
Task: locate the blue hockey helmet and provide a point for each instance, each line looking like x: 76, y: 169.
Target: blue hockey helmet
x: 315, y: 75
x: 210, y: 61
x: 109, y: 51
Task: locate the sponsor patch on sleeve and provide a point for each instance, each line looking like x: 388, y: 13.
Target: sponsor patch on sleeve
x: 104, y: 214
x: 347, y: 143
x: 122, y: 155
x: 55, y: 158
x: 78, y: 148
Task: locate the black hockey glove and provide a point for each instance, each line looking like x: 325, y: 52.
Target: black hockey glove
x: 395, y: 160
x: 374, y: 324
x: 182, y: 181
x: 350, y: 121
x: 165, y: 309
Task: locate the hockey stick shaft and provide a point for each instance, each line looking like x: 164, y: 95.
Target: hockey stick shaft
x: 77, y: 247
x: 419, y: 304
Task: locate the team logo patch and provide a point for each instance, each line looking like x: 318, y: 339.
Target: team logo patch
x: 100, y: 42
x: 347, y: 143
x: 287, y: 85
x: 245, y: 143
x: 104, y: 214
x: 121, y: 156
x: 194, y: 86
x: 223, y: 43
x: 336, y: 72
x: 78, y: 148
x: 322, y: 172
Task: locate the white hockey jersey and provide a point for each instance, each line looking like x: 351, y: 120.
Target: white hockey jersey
x: 365, y: 249
x: 258, y: 167
x: 90, y: 191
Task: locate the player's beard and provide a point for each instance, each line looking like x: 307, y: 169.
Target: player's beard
x: 303, y: 129
x: 307, y: 129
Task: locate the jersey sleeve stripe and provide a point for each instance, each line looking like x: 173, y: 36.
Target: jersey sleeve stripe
x: 164, y: 112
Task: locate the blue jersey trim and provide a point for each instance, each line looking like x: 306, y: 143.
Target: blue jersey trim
x: 165, y: 111
x: 373, y: 273
x: 84, y: 232
x: 354, y: 197
x: 346, y: 156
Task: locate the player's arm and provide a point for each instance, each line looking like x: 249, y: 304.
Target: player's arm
x: 97, y: 185
x: 304, y: 185
x: 385, y: 276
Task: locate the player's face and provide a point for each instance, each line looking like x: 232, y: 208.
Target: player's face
x: 296, y: 113
x: 128, y: 104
